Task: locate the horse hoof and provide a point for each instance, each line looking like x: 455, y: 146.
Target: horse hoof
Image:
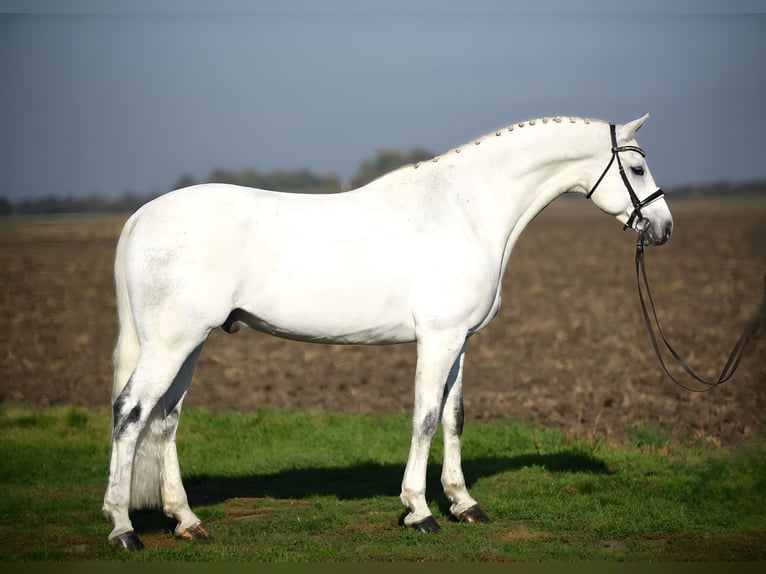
x: 473, y: 514
x: 127, y: 541
x: 196, y: 532
x: 426, y: 525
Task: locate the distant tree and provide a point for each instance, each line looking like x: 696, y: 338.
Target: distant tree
x: 6, y: 208
x: 220, y: 175
x: 184, y: 180
x: 331, y: 183
x: 130, y: 201
x: 250, y: 178
x: 298, y: 181
x: 385, y: 161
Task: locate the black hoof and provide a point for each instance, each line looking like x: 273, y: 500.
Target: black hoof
x: 473, y: 514
x: 427, y: 525
x: 127, y: 541
x: 196, y: 532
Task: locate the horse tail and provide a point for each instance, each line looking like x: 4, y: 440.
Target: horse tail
x: 145, y: 489
x: 127, y: 349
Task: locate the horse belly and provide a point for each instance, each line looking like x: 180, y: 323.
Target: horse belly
x: 323, y: 283
x: 320, y: 330
x: 309, y: 300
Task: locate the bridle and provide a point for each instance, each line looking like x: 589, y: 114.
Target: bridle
x: 750, y: 328
x: 638, y: 204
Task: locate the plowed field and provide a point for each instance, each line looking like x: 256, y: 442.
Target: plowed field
x: 568, y: 350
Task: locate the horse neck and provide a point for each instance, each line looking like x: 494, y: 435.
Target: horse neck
x: 506, y: 180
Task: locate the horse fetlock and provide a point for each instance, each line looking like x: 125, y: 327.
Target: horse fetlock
x: 186, y: 518
x: 460, y: 506
x: 419, y: 514
x: 416, y: 502
x: 118, y: 515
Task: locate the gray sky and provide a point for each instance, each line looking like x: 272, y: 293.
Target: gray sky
x: 96, y: 97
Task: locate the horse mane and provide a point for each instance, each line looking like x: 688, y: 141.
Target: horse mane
x: 514, y: 127
x: 500, y: 132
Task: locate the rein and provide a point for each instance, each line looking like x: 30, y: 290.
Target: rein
x: 736, y: 353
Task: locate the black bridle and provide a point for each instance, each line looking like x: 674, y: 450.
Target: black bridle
x: 643, y: 284
x: 638, y: 204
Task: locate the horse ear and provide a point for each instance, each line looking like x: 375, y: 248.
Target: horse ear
x: 628, y: 131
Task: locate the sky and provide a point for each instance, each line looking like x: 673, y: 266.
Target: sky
x: 103, y: 97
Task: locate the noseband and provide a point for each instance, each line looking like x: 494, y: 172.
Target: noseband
x: 637, y: 203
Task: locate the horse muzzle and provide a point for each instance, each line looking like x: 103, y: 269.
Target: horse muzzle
x: 654, y: 232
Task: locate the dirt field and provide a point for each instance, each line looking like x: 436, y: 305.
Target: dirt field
x: 568, y: 350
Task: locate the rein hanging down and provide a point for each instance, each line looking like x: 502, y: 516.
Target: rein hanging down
x: 736, y: 354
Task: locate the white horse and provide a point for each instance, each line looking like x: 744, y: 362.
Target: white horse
x: 417, y: 255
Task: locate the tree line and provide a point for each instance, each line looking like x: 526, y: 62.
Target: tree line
x: 296, y: 181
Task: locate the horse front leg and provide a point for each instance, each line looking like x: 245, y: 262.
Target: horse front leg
x: 437, y: 355
x: 463, y: 507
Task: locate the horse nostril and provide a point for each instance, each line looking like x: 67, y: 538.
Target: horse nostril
x: 667, y: 231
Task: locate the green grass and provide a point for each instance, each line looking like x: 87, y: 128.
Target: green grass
x: 310, y: 487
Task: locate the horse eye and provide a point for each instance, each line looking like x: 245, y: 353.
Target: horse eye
x: 638, y: 170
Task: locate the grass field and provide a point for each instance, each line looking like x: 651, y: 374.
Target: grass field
x: 317, y: 487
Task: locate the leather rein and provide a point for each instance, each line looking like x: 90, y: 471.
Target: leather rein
x: 736, y: 353
x: 643, y: 286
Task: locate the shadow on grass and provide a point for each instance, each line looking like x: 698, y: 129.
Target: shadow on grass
x: 355, y: 482
x: 367, y: 480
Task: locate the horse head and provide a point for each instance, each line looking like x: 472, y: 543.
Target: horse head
x: 626, y: 189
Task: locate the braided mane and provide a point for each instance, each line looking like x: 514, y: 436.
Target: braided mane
x: 510, y: 128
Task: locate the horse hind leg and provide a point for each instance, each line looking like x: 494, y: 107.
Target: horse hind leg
x: 155, y: 373
x: 174, y: 499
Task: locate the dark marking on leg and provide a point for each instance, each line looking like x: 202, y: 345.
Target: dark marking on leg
x: 459, y: 417
x: 117, y: 409
x: 428, y: 426
x: 121, y: 423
